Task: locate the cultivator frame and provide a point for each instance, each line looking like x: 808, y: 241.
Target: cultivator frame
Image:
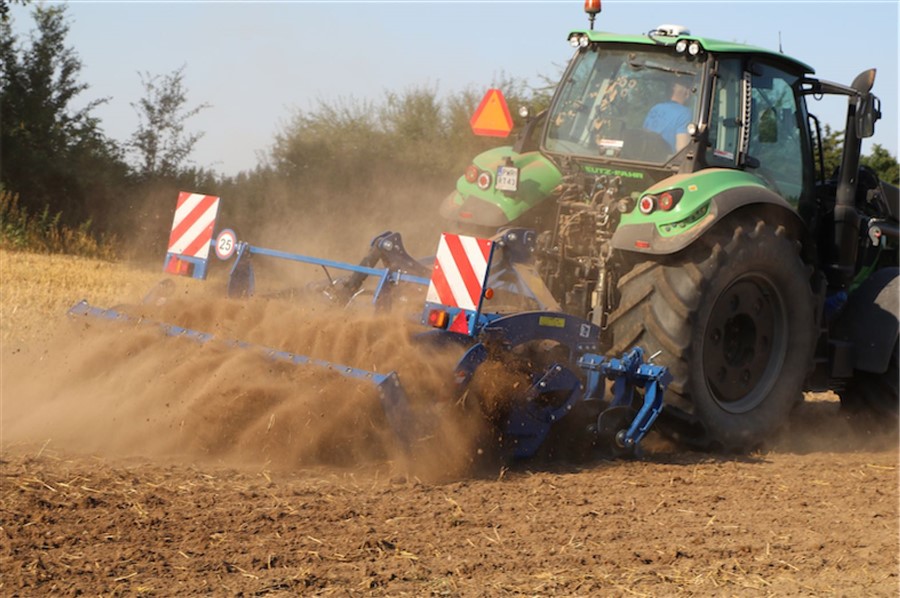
x: 456, y: 311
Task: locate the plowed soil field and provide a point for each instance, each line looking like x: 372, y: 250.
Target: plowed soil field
x: 136, y: 464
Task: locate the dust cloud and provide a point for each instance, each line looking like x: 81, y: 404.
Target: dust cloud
x: 123, y: 389
x: 120, y: 388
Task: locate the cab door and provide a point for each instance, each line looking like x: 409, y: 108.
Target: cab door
x: 778, y: 145
x: 758, y: 124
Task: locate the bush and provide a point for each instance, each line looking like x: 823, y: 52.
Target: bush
x: 43, y: 233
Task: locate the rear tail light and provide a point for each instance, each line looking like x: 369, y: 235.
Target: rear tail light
x: 484, y: 181
x: 438, y: 318
x: 471, y: 173
x: 666, y: 201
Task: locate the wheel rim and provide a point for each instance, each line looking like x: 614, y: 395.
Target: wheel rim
x: 745, y: 343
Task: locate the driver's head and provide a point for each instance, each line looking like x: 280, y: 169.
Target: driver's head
x: 681, y: 90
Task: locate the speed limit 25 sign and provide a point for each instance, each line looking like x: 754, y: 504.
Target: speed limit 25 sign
x: 226, y: 243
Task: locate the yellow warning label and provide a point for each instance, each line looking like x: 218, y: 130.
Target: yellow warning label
x: 552, y: 322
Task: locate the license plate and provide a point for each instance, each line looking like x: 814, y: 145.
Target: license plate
x: 507, y: 178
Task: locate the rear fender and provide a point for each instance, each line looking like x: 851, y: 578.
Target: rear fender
x: 664, y: 233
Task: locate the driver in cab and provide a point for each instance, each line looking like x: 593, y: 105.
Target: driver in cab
x: 670, y: 119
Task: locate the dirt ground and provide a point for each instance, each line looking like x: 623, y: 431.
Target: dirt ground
x: 135, y: 464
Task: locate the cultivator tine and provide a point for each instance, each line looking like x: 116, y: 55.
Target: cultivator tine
x: 242, y: 280
x: 397, y: 410
x: 627, y: 373
x: 529, y: 425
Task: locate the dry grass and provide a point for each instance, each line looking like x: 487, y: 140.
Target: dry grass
x: 37, y: 289
x: 43, y: 232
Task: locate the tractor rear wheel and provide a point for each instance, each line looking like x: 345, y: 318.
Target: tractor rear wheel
x: 733, y: 318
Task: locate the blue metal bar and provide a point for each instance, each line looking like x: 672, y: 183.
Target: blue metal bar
x: 380, y: 272
x: 393, y: 398
x: 83, y: 308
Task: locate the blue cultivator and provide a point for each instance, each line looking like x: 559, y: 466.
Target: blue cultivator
x: 483, y: 295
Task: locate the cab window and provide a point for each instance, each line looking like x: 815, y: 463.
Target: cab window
x: 775, y: 135
x: 725, y: 115
x: 625, y: 104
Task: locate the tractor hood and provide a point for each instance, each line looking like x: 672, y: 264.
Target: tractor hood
x: 476, y: 200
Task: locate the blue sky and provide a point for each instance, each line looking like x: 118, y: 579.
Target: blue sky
x: 257, y: 63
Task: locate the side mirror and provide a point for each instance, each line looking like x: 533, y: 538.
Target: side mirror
x: 868, y: 110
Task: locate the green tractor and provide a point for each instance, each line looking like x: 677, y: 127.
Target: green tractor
x: 678, y: 191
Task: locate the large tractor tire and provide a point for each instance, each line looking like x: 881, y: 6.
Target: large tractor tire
x: 734, y: 321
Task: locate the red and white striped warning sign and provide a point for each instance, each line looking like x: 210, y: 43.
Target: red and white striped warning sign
x: 192, y: 228
x: 460, y: 269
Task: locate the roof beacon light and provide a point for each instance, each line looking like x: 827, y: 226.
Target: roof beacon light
x: 592, y: 8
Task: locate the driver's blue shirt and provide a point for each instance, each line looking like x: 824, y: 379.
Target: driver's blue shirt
x: 668, y: 120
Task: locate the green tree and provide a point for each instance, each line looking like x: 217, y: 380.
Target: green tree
x: 883, y: 163
x: 880, y: 160
x: 832, y: 144
x: 161, y: 143
x: 54, y: 156
x: 4, y: 8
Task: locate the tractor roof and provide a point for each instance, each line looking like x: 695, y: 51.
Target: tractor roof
x: 710, y: 45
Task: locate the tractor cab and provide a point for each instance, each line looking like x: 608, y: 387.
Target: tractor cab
x: 625, y: 103
x: 642, y: 108
x: 670, y: 102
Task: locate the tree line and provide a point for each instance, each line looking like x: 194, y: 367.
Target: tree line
x: 362, y: 162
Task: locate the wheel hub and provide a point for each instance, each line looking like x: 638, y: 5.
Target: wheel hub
x: 743, y: 343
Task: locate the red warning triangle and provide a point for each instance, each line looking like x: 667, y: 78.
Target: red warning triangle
x: 492, y: 118
x: 460, y: 324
